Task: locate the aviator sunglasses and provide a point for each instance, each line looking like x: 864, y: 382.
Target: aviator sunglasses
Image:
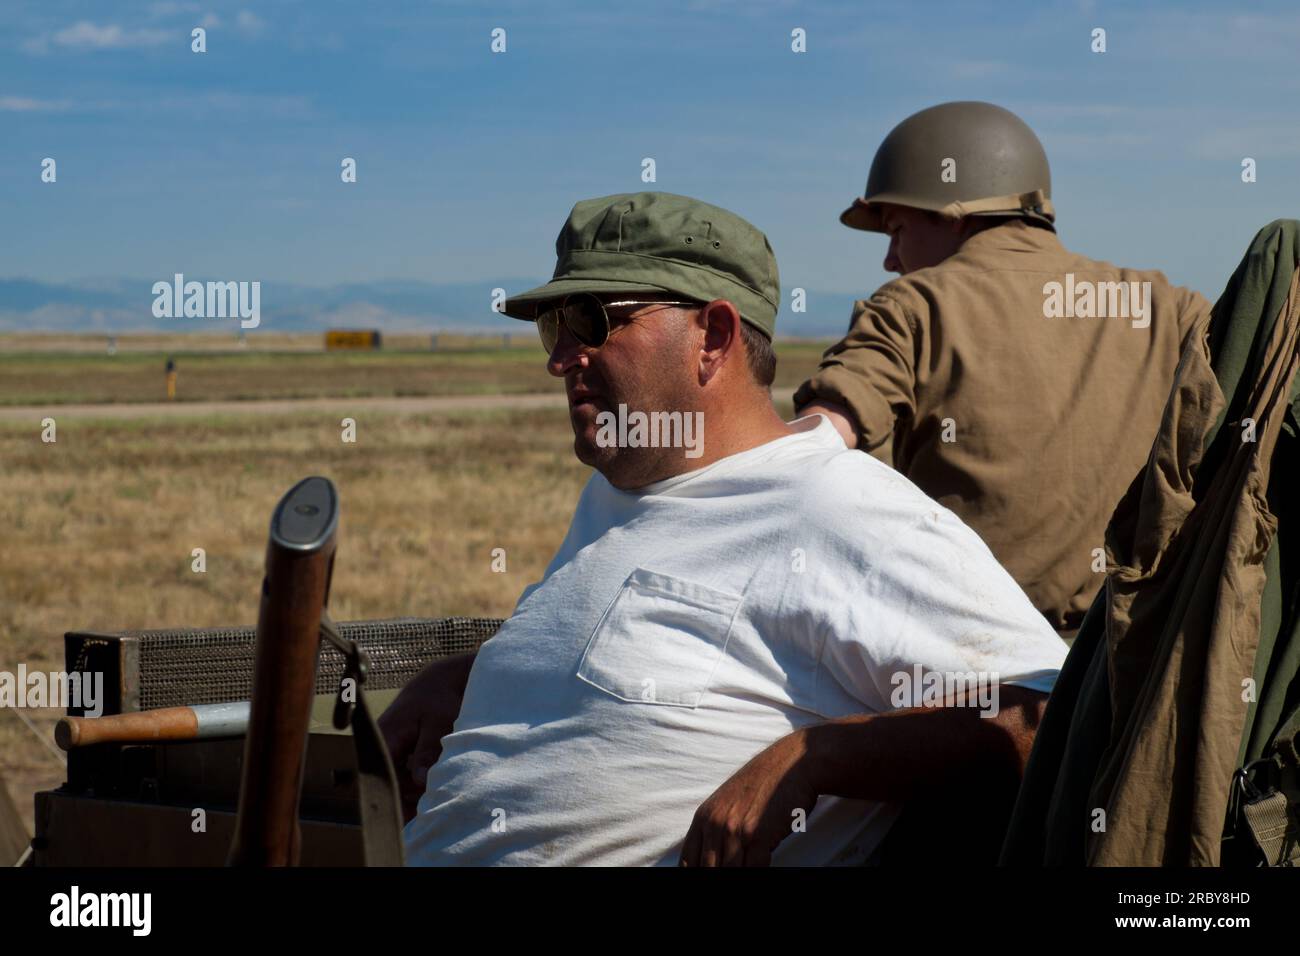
x: 584, y: 315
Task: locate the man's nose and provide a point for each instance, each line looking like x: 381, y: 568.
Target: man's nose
x: 892, y: 262
x: 567, y: 353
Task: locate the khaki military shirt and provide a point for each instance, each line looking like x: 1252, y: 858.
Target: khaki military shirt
x: 1020, y: 386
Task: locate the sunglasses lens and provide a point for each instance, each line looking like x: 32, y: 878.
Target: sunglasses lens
x: 585, y: 318
x: 548, y: 327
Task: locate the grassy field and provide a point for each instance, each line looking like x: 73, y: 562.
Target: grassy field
x: 99, y: 526
x: 97, y: 342
x: 34, y: 374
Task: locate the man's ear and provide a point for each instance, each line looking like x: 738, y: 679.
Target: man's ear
x: 721, y: 323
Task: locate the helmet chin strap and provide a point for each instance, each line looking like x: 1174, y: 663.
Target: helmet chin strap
x: 1034, y: 201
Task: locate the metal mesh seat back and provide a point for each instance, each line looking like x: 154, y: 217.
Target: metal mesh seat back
x: 214, y: 665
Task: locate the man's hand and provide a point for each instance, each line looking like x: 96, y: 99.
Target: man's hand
x: 840, y: 417
x: 749, y: 815
x: 416, y: 721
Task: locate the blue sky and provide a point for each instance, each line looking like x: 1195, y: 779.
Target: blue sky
x: 226, y: 164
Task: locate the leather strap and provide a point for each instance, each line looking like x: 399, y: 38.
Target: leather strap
x: 1034, y: 201
x: 381, y: 817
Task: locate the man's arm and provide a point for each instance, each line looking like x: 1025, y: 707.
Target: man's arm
x: 890, y: 757
x: 840, y: 417
x: 894, y: 756
x: 866, y: 382
x: 418, y: 718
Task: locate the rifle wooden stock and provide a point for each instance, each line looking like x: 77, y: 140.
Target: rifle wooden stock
x: 299, y: 560
x: 166, y: 723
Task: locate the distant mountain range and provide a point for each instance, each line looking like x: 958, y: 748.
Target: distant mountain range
x: 399, y: 305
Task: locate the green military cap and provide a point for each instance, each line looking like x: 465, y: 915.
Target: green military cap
x: 661, y: 242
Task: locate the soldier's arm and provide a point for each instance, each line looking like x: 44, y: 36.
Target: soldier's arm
x: 866, y: 382
x: 839, y: 416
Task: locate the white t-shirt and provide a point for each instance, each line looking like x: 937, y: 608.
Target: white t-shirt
x: 684, y: 627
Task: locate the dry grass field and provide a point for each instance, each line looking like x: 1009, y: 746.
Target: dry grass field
x: 46, y: 377
x: 99, y: 526
x: 259, y: 341
x: 61, y: 370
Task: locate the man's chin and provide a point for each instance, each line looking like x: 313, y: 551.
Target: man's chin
x: 590, y: 453
x: 606, y: 459
x: 585, y: 430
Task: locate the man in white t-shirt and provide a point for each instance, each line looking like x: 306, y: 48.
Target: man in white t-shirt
x: 754, y: 645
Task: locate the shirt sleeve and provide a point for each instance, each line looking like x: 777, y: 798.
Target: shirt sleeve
x: 871, y: 372
x: 1194, y: 317
x: 936, y: 602
x: 575, y: 539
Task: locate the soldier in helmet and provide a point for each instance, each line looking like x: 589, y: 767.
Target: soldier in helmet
x: 1017, y: 383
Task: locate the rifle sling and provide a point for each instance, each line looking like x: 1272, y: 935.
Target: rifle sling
x: 381, y: 819
x: 1272, y: 816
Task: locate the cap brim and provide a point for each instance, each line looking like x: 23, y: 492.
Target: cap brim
x: 524, y: 306
x: 863, y: 215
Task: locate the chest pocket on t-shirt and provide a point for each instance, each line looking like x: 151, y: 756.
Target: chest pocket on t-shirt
x: 660, y: 640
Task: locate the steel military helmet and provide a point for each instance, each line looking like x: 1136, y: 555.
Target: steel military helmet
x: 958, y: 159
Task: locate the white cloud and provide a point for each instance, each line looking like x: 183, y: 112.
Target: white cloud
x: 249, y: 23
x: 244, y: 105
x: 110, y: 36
x: 979, y: 69
x: 168, y: 8
x: 25, y: 104
x: 1059, y: 110
x: 1102, y: 143
x: 1262, y: 142
x: 241, y: 104
x: 84, y: 35
x: 210, y: 21
x: 1213, y: 36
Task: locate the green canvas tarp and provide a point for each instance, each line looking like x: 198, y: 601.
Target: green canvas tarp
x: 1185, y: 668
